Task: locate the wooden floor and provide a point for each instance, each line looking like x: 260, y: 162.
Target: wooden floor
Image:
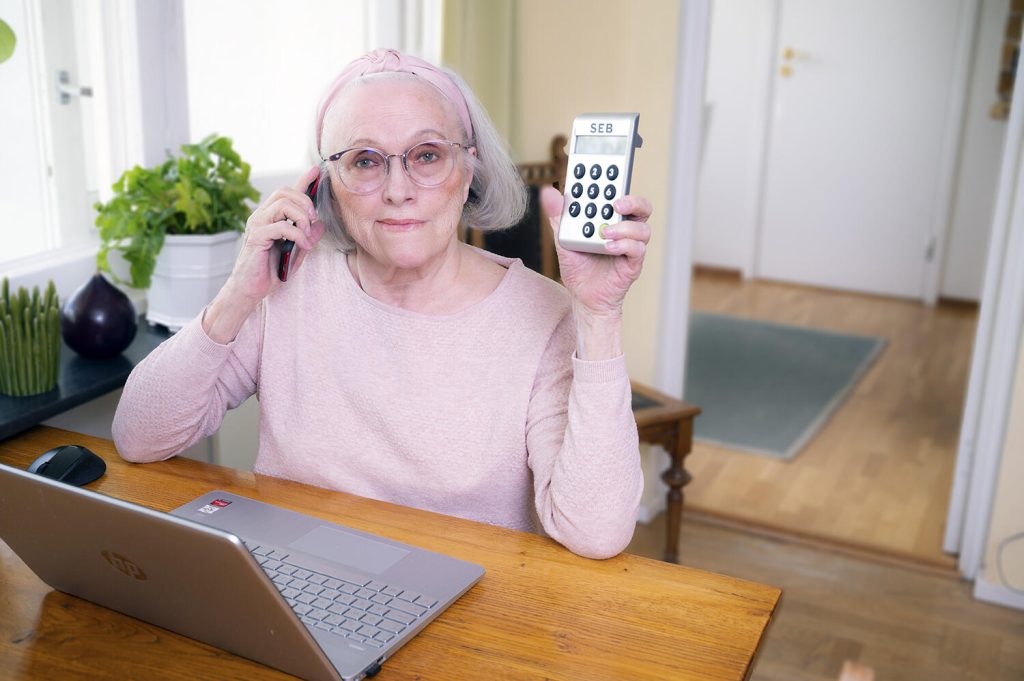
x: 878, y: 474
x: 907, y: 623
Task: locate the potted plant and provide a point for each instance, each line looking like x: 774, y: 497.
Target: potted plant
x: 177, y: 225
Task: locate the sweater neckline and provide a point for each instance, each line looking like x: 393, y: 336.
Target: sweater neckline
x: 349, y: 282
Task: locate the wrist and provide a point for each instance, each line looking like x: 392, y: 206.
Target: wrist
x: 598, y: 335
x: 225, y: 315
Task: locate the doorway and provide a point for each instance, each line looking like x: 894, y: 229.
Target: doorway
x: 731, y: 234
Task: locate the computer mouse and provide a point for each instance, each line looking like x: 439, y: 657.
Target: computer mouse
x: 73, y: 464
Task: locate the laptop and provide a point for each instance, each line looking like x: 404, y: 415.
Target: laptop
x: 311, y: 598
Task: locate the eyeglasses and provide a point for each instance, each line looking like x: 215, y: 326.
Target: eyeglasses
x: 428, y: 164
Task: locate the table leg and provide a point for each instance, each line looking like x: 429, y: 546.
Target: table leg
x: 676, y: 478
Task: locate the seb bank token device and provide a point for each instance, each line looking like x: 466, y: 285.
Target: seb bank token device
x: 599, y: 169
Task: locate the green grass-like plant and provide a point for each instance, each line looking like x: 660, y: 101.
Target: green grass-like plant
x: 204, y: 190
x: 29, y: 340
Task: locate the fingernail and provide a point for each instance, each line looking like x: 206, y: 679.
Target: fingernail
x: 607, y: 231
x: 311, y: 213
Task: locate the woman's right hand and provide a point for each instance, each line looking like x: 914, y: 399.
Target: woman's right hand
x: 254, y: 276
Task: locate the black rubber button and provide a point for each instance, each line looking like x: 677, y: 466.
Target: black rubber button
x: 612, y: 172
x: 579, y: 171
x: 577, y: 190
x: 588, y: 230
x: 593, y: 191
x: 609, y: 192
x: 590, y: 210
x: 607, y: 211
x: 595, y: 172
x: 574, y: 209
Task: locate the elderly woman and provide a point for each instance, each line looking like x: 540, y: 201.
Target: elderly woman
x: 397, y: 362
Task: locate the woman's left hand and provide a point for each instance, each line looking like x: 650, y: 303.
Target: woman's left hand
x: 599, y: 282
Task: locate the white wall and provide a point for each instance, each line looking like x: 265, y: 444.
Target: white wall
x: 1002, y: 578
x: 564, y: 73
x: 741, y: 55
x: 92, y: 418
x: 980, y: 154
x: 234, y: 445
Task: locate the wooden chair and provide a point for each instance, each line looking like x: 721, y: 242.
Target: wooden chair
x: 661, y: 419
x: 531, y: 239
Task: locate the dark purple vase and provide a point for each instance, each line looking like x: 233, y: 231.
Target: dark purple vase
x: 98, y: 321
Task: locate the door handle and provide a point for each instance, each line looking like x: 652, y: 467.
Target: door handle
x: 65, y: 90
x: 789, y: 54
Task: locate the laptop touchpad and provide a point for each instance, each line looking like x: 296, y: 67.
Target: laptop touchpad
x: 349, y: 549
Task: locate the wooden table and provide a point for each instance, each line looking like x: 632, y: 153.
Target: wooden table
x: 539, y: 612
x: 666, y: 421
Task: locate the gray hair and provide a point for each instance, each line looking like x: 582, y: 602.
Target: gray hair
x: 497, y: 196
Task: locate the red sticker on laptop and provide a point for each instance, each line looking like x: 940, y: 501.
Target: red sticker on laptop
x: 220, y: 502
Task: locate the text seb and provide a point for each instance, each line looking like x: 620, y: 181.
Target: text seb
x: 602, y: 128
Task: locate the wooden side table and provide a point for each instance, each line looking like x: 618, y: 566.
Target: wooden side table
x: 666, y: 421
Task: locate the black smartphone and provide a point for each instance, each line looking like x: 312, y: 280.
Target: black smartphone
x: 287, y: 246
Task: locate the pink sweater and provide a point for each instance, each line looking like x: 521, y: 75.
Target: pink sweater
x: 484, y: 414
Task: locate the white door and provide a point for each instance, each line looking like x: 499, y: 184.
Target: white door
x: 861, y: 96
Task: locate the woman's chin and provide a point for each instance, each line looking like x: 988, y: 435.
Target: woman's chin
x: 413, y: 248
x: 412, y: 254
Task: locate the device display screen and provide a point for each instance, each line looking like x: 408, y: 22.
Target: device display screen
x: 601, y: 144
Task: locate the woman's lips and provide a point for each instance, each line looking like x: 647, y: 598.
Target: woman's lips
x: 400, y: 225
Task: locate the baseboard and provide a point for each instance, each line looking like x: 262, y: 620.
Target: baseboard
x: 998, y: 594
x: 849, y: 548
x: 961, y: 303
x: 717, y: 271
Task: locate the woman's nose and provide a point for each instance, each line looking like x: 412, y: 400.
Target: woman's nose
x: 398, y: 186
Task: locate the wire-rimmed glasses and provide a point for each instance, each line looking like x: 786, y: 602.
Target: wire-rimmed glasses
x: 428, y: 164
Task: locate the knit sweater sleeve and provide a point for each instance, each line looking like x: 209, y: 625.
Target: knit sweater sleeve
x: 181, y: 391
x: 584, y: 450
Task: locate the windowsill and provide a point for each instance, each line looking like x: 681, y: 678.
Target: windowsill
x: 31, y: 264
x: 69, y: 268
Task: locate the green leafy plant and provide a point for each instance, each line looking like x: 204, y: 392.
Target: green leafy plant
x: 29, y: 340
x: 204, y: 190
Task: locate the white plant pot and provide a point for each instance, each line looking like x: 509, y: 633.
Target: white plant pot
x: 189, y: 271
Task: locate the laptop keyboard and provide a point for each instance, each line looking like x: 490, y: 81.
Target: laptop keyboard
x: 360, y: 609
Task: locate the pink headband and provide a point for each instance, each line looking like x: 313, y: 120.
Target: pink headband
x: 393, y: 61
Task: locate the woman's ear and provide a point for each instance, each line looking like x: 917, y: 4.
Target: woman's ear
x: 468, y: 194
x: 323, y: 193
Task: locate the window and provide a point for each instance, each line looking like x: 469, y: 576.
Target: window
x: 163, y: 73
x: 46, y: 186
x: 256, y: 77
